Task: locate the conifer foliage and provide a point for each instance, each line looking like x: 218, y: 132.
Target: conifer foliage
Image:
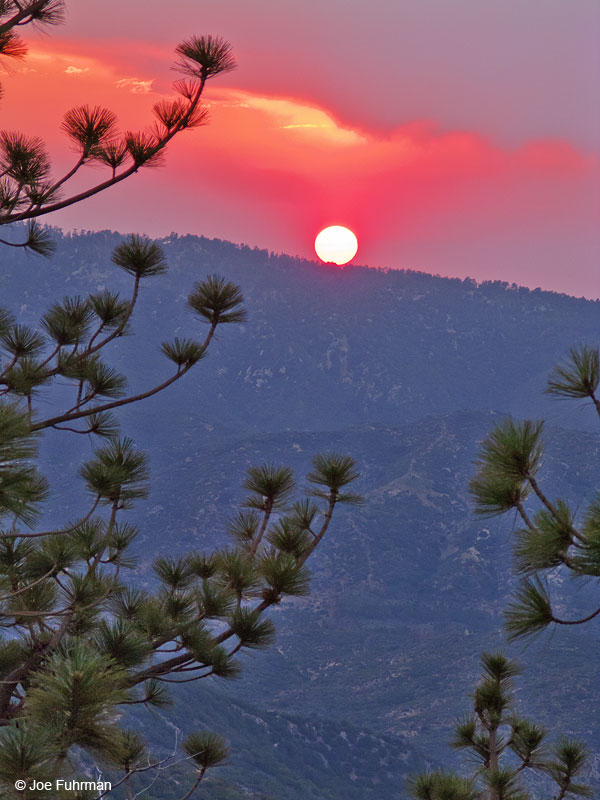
x: 555, y: 539
x: 28, y: 187
x: 81, y: 640
x: 511, y: 758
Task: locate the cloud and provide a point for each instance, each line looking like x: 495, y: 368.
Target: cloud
x: 135, y: 85
x: 270, y: 170
x: 295, y: 115
x: 72, y: 70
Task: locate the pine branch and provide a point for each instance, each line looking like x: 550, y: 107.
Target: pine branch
x: 323, y: 530
x: 185, y: 680
x: 76, y: 358
x: 155, y: 149
x: 59, y: 532
x: 195, y: 785
x: 47, y: 423
x: 578, y: 376
x: 549, y: 505
x: 167, y: 666
x: 29, y: 585
x: 94, y: 348
x: 66, y: 177
x: 38, y: 241
x: 265, y: 521
x: 28, y: 13
x: 524, y: 516
x: 590, y: 617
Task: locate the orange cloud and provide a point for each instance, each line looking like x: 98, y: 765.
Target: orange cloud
x: 72, y: 70
x: 135, y: 85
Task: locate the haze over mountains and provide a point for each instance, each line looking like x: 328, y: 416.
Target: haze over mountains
x: 406, y: 372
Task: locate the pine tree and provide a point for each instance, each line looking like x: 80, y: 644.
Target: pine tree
x: 554, y: 538
x: 28, y: 188
x: 510, y: 753
x: 81, y: 642
x: 81, y: 639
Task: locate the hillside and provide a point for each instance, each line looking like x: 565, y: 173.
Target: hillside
x: 326, y: 348
x: 407, y: 592
x: 279, y: 755
x: 406, y: 372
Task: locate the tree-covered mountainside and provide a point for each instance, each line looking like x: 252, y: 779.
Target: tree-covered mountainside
x: 324, y: 348
x: 407, y: 372
x: 413, y: 589
x: 279, y: 755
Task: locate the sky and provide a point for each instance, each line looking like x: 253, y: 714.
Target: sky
x: 458, y: 137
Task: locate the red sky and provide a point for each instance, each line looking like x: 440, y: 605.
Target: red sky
x: 459, y: 138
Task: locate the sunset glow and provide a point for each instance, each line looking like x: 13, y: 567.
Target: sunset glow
x: 431, y: 182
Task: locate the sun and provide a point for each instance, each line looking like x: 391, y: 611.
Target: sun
x: 336, y: 244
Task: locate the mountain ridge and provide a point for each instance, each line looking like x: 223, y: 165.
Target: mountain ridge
x: 401, y: 371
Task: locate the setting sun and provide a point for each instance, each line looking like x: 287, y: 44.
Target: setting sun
x: 336, y: 244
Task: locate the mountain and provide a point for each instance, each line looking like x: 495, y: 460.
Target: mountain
x: 279, y: 755
x: 407, y: 591
x: 325, y: 348
x: 406, y: 372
